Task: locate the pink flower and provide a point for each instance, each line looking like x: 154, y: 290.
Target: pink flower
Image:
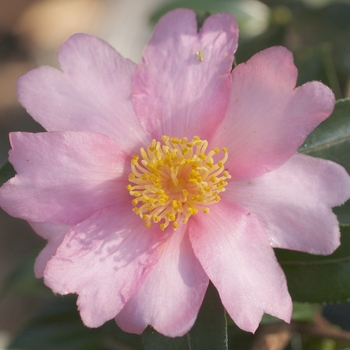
x: 138, y: 227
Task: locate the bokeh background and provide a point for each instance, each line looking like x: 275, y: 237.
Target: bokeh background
x: 31, y: 31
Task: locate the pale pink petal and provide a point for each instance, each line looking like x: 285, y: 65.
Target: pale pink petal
x: 268, y: 119
x: 293, y: 203
x: 181, y: 88
x: 92, y: 94
x: 104, y: 260
x: 236, y: 255
x: 63, y: 177
x: 172, y: 293
x: 55, y: 235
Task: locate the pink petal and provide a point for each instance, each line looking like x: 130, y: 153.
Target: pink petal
x: 104, y: 259
x: 63, y: 177
x: 181, y: 88
x: 55, y: 235
x: 93, y: 93
x: 172, y: 293
x: 293, y: 203
x: 236, y: 255
x: 268, y: 119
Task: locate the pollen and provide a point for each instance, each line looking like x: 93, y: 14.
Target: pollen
x: 174, y: 179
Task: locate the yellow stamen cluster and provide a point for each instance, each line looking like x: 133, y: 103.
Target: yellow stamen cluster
x: 173, y: 180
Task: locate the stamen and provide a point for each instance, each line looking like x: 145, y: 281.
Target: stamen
x: 175, y: 179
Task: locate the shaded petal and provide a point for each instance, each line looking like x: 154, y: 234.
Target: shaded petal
x: 93, y: 93
x: 181, y: 87
x: 104, y: 259
x: 293, y: 203
x: 268, y: 119
x: 236, y: 255
x: 55, y: 235
x: 63, y: 177
x: 172, y: 293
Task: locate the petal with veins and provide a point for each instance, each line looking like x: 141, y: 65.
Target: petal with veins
x: 92, y: 94
x: 110, y: 246
x: 64, y: 177
x: 172, y: 293
x: 236, y: 255
x: 181, y: 87
x: 268, y: 118
x: 293, y: 203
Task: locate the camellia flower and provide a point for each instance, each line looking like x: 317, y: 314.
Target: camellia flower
x: 153, y: 179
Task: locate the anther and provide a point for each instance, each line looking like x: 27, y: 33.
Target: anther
x: 175, y: 179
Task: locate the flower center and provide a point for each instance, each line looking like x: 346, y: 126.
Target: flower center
x: 175, y: 179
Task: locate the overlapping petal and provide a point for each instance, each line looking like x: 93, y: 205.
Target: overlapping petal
x: 268, y: 118
x: 92, y: 94
x: 182, y: 85
x: 171, y: 295
x: 104, y: 259
x: 55, y: 235
x: 237, y: 257
x: 293, y: 203
x: 64, y: 177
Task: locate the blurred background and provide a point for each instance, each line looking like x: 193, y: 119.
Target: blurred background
x: 31, y: 31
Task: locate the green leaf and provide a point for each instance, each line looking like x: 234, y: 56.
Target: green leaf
x: 331, y: 140
x: 59, y: 327
x: 208, y: 332
x: 6, y: 172
x: 316, y: 278
x: 210, y: 329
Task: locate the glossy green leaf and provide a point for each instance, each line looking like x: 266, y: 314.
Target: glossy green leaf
x: 59, y: 327
x: 332, y: 136
x: 6, y: 172
x: 331, y: 140
x: 316, y: 278
x: 208, y: 332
